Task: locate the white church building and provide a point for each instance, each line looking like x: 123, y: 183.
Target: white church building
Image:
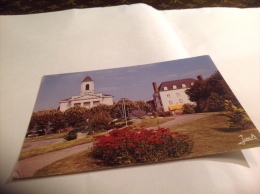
x: 170, y: 95
x: 87, y: 98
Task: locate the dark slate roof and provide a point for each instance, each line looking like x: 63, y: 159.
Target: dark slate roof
x: 87, y: 79
x: 177, y: 83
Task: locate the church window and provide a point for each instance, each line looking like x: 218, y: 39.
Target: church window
x: 87, y: 87
x: 77, y: 104
x: 87, y: 104
x: 95, y: 103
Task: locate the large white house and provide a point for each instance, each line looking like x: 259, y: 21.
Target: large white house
x: 170, y: 95
x: 87, y: 98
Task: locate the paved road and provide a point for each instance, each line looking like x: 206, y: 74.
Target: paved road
x: 27, y: 167
x: 180, y: 119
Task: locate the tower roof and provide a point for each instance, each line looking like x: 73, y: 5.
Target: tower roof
x: 87, y: 79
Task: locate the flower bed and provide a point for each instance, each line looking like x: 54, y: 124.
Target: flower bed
x: 130, y: 145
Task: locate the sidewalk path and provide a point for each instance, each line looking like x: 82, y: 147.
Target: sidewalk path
x: 180, y: 119
x: 27, y: 167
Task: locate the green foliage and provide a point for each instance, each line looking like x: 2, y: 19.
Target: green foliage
x: 188, y: 109
x: 117, y: 110
x: 99, y: 121
x: 71, y: 135
x: 215, y: 103
x: 237, y: 117
x: 143, y: 106
x: 130, y: 145
x: 47, y: 119
x: 210, y: 94
x: 165, y: 114
x: 81, y: 126
x: 74, y: 115
x: 137, y: 113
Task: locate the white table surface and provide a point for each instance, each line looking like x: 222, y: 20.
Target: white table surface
x: 89, y: 39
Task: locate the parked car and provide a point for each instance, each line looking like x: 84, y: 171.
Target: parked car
x: 31, y: 135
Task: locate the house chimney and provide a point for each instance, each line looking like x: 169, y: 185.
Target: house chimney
x: 155, y: 88
x: 200, y: 78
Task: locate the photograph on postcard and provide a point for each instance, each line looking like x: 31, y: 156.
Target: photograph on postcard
x: 127, y: 116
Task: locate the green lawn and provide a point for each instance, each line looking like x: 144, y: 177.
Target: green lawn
x: 211, y: 135
x: 54, y: 147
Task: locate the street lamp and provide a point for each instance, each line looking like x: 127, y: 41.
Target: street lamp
x: 124, y: 110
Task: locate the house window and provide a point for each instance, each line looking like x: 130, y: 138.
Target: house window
x: 170, y: 102
x: 183, y: 85
x: 174, y: 87
x: 165, y: 88
x: 180, y: 100
x: 168, y: 95
x: 178, y: 94
x: 87, y: 87
x: 192, y: 84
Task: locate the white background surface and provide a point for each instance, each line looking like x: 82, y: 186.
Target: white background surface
x: 89, y: 39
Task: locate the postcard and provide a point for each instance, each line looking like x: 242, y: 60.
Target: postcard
x: 97, y: 120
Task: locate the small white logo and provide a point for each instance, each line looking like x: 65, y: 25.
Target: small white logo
x: 244, y: 140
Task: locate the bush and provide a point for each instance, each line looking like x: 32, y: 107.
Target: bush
x: 138, y: 113
x: 237, y: 117
x: 130, y: 145
x: 99, y: 120
x: 188, y: 109
x: 72, y: 134
x: 165, y: 114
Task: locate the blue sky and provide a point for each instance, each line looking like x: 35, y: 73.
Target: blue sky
x: 134, y: 83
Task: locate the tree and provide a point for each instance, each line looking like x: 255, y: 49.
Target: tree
x: 144, y: 106
x: 210, y: 94
x: 117, y: 110
x: 237, y: 117
x: 74, y: 115
x: 99, y: 121
x: 47, y: 120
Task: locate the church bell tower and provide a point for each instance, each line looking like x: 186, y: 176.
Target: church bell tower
x: 87, y: 86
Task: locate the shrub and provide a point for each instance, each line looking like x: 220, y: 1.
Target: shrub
x: 130, y: 145
x: 138, y: 113
x: 188, y: 109
x: 72, y: 134
x: 237, y: 117
x: 165, y: 114
x: 99, y: 120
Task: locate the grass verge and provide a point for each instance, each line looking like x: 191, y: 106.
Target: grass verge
x: 54, y: 147
x: 45, y: 137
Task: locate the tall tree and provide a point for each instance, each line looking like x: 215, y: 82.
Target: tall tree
x: 210, y: 94
x: 74, y: 115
